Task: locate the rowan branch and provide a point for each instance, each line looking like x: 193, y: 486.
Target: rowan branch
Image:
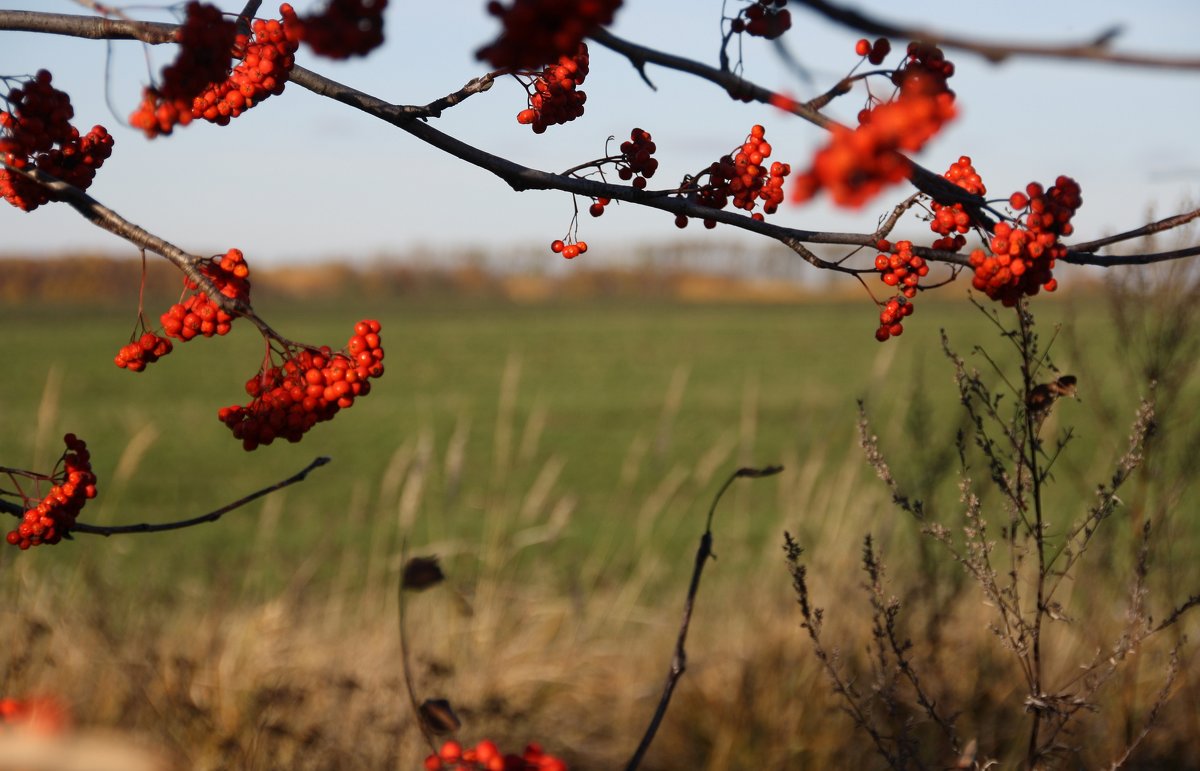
x: 1145, y: 230
x: 103, y: 217
x: 410, y: 118
x: 1094, y: 49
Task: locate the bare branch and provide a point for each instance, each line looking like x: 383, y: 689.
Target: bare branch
x: 90, y: 27
x: 1095, y: 49
x: 212, y: 516
x: 103, y: 217
x: 1154, y: 227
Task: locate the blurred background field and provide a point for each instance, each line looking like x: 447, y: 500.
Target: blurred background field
x: 559, y: 456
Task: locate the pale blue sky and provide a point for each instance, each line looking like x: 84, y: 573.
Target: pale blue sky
x: 304, y: 178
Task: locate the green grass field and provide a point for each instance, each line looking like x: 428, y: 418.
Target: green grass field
x: 560, y: 459
x: 614, y: 396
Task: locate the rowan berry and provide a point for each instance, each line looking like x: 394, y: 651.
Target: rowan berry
x: 862, y: 47
x: 36, y: 131
x: 305, y: 386
x: 763, y: 18
x: 539, y: 31
x: 553, y: 96
x: 879, y: 51
x: 1022, y: 257
x: 857, y: 163
x: 51, y: 518
x: 345, y: 28
x: 267, y: 56
x: 741, y: 178
x: 952, y: 221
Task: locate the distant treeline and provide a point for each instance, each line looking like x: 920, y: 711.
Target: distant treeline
x: 101, y: 279
x: 104, y: 279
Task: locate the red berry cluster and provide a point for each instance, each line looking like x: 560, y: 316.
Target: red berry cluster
x: 954, y: 219
x: 486, y: 756
x: 555, y: 99
x: 890, y: 318
x: 540, y: 31
x: 900, y: 268
x: 572, y: 250
x: 198, y: 314
x: 1022, y: 258
x: 267, y: 56
x: 230, y: 273
x: 636, y: 162
x: 54, y: 516
x: 206, y: 39
x: 36, y: 131
x: 147, y: 349
x: 763, y: 18
x: 743, y: 178
x: 875, y: 52
x: 345, y: 28
x: 858, y: 163
x: 308, y: 387
x: 924, y: 72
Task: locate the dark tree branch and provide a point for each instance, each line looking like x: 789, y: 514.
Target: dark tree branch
x: 1154, y: 227
x: 1095, y: 49
x: 103, y: 217
x: 410, y: 119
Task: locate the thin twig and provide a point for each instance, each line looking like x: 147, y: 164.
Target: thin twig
x: 212, y: 516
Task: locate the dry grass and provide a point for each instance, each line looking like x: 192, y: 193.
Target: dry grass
x: 312, y: 679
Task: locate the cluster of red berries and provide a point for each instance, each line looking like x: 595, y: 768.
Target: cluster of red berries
x: 572, y: 250
x: 890, y: 318
x: 486, y: 756
x: 147, y: 349
x: 345, y: 28
x: 206, y: 39
x: 308, y: 387
x: 741, y: 177
x: 953, y: 219
x: 555, y: 99
x: 36, y: 131
x: 875, y: 52
x: 198, y: 314
x: 636, y: 162
x: 54, y: 516
x: 540, y: 31
x: 899, y: 267
x: 924, y: 72
x: 763, y: 18
x: 267, y: 56
x: 1022, y: 258
x: 858, y: 163
x: 229, y: 273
